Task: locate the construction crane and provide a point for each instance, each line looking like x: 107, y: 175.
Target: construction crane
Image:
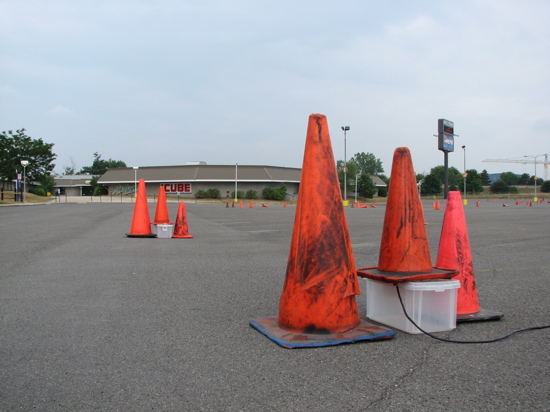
x: 527, y: 160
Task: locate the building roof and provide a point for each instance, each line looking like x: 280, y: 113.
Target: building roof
x: 202, y: 173
x: 72, y: 180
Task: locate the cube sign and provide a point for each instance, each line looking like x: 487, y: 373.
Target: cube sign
x: 177, y: 187
x: 445, y: 135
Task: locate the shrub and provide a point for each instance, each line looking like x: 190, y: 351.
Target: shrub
x: 270, y: 193
x: 251, y: 194
x: 545, y: 188
x: 382, y: 192
x: 239, y: 194
x: 38, y: 191
x: 208, y: 194
x: 99, y: 191
x: 501, y: 186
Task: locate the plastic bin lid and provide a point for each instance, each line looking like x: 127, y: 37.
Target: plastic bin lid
x: 436, y: 285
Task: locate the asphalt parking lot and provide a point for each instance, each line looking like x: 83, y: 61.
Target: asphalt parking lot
x: 93, y: 320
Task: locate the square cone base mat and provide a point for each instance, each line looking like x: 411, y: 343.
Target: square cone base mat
x: 482, y: 315
x: 290, y: 340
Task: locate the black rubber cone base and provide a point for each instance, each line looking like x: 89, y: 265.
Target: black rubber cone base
x: 482, y: 315
x: 290, y: 340
x: 148, y: 235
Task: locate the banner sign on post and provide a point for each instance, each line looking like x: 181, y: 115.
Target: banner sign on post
x: 446, y: 136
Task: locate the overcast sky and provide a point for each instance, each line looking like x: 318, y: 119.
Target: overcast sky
x: 164, y: 82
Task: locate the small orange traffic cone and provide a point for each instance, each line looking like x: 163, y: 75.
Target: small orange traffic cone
x: 232, y: 204
x: 317, y: 305
x: 181, y: 230
x: 404, y: 249
x: 161, y: 212
x: 264, y: 205
x: 437, y: 205
x: 226, y: 204
x: 141, y: 222
x: 352, y: 205
x: 454, y: 251
x: 478, y: 203
x: 284, y: 205
x: 250, y: 205
x: 373, y: 206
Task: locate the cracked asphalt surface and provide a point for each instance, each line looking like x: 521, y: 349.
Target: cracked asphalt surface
x: 93, y: 320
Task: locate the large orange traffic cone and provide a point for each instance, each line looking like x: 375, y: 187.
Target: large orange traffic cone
x: 161, y: 212
x: 404, y: 249
x: 181, y: 231
x: 141, y: 222
x: 317, y: 305
x: 454, y: 251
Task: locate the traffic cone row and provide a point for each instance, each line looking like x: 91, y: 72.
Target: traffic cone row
x: 141, y: 223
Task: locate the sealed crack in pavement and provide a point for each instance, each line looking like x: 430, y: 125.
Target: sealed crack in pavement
x: 386, y: 393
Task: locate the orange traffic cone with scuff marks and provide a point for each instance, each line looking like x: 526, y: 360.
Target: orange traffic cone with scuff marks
x: 161, y: 212
x: 317, y: 305
x: 181, y: 230
x: 141, y: 222
x: 454, y: 251
x: 404, y: 249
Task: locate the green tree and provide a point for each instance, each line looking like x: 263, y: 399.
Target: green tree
x: 485, y: 178
x: 523, y: 179
x: 545, y: 188
x: 432, y: 185
x: 15, y: 147
x: 365, y: 186
x: 454, y: 176
x: 350, y: 175
x: 368, y: 163
x: 510, y: 178
x: 100, y: 166
x: 473, y: 182
x: 532, y: 181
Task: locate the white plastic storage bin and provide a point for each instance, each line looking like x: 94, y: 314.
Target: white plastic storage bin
x: 163, y: 231
x: 431, y: 304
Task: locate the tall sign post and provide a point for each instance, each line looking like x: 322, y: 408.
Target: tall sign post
x: 446, y: 143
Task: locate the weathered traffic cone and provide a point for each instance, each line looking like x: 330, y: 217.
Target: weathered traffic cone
x: 454, y: 251
x: 404, y: 249
x: 317, y: 305
x: 181, y: 230
x: 161, y: 212
x: 141, y: 222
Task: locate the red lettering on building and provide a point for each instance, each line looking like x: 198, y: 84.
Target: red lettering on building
x: 177, y: 187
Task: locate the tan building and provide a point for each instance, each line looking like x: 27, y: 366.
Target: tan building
x: 187, y: 180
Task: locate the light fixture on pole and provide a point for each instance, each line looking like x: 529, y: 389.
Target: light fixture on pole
x: 535, y: 177
x: 25, y: 163
x: 345, y: 129
x: 135, y: 180
x: 465, y: 201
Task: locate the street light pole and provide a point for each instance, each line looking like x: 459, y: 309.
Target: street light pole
x: 535, y: 177
x: 358, y: 174
x: 465, y: 175
x: 236, y: 169
x: 24, y: 163
x: 345, y: 129
x: 135, y: 180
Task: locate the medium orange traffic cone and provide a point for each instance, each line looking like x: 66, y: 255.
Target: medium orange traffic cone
x: 284, y: 205
x: 161, y: 212
x: 141, y: 222
x: 317, y: 305
x: 250, y: 205
x: 181, y: 230
x: 454, y: 251
x: 437, y: 205
x: 404, y: 249
x: 241, y: 204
